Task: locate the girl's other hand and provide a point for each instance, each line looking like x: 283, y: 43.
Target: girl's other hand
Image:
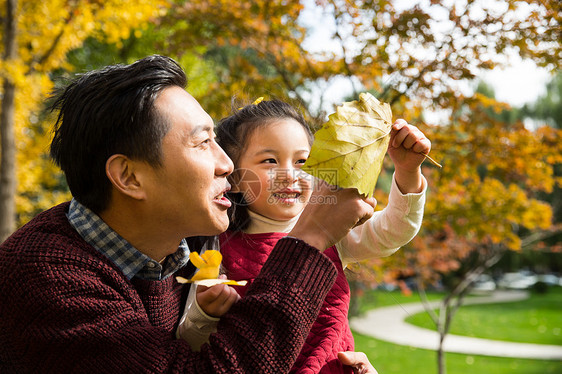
x: 358, y: 361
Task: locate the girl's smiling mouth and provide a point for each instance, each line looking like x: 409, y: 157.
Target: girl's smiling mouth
x: 287, y: 196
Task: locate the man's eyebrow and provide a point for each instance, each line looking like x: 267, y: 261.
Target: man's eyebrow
x: 200, y: 128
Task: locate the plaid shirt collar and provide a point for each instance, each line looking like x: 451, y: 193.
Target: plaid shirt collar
x: 130, y: 260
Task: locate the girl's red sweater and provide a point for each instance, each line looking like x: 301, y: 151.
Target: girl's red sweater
x: 243, y: 257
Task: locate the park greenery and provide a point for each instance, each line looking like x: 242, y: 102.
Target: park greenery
x: 498, y: 191
x: 518, y: 322
x: 390, y: 358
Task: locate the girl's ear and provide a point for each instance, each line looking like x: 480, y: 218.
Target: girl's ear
x: 121, y: 172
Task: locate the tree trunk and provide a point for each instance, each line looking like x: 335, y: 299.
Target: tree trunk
x: 441, y: 367
x: 443, y: 329
x: 440, y: 321
x: 7, y: 133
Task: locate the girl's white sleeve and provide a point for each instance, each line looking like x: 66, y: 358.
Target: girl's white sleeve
x: 387, y: 230
x: 195, y: 325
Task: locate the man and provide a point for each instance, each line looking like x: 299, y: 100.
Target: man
x: 89, y: 286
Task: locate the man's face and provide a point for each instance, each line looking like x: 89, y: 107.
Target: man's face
x: 186, y: 194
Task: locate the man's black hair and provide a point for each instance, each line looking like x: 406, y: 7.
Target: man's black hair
x: 110, y: 111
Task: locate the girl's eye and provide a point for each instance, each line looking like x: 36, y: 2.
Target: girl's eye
x: 301, y: 161
x: 269, y: 161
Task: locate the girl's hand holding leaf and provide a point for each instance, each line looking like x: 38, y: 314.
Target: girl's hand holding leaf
x: 408, y: 147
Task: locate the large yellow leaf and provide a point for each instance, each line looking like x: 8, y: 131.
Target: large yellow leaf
x: 349, y: 149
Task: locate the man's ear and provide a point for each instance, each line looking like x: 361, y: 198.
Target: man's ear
x: 121, y: 173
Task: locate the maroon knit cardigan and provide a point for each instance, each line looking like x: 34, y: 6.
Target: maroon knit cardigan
x: 244, y: 256
x: 65, y: 308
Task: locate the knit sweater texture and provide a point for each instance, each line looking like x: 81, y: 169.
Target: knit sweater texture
x: 66, y: 308
x: 244, y: 256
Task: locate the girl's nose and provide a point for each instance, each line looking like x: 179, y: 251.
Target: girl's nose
x: 289, y: 174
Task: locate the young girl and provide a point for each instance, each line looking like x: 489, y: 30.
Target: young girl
x: 268, y: 143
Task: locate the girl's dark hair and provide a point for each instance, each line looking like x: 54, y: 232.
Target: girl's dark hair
x: 106, y: 112
x: 233, y: 133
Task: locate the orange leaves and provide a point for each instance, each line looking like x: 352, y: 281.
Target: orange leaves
x: 492, y: 185
x: 258, y: 43
x: 486, y: 192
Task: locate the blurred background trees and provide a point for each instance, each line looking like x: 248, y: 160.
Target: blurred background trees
x: 499, y: 189
x: 41, y: 34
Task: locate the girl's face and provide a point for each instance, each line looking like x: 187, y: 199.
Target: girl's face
x: 269, y: 173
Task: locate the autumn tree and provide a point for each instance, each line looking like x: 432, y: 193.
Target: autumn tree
x: 46, y: 31
x: 484, y: 202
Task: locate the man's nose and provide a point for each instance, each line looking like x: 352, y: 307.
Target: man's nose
x: 224, y: 165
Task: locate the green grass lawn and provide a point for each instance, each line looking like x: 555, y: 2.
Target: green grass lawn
x: 390, y: 358
x: 546, y: 309
x: 380, y: 298
x: 535, y: 320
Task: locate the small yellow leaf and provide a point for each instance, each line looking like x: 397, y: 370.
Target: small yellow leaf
x: 196, y: 259
x: 212, y: 282
x: 208, y: 264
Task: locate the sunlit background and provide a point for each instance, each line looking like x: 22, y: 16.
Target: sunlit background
x: 480, y: 78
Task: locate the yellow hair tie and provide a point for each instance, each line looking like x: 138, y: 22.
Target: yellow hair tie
x: 256, y: 102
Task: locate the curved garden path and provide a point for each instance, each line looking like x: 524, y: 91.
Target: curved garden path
x: 387, y: 323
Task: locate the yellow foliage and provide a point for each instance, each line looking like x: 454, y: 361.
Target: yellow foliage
x: 47, y: 31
